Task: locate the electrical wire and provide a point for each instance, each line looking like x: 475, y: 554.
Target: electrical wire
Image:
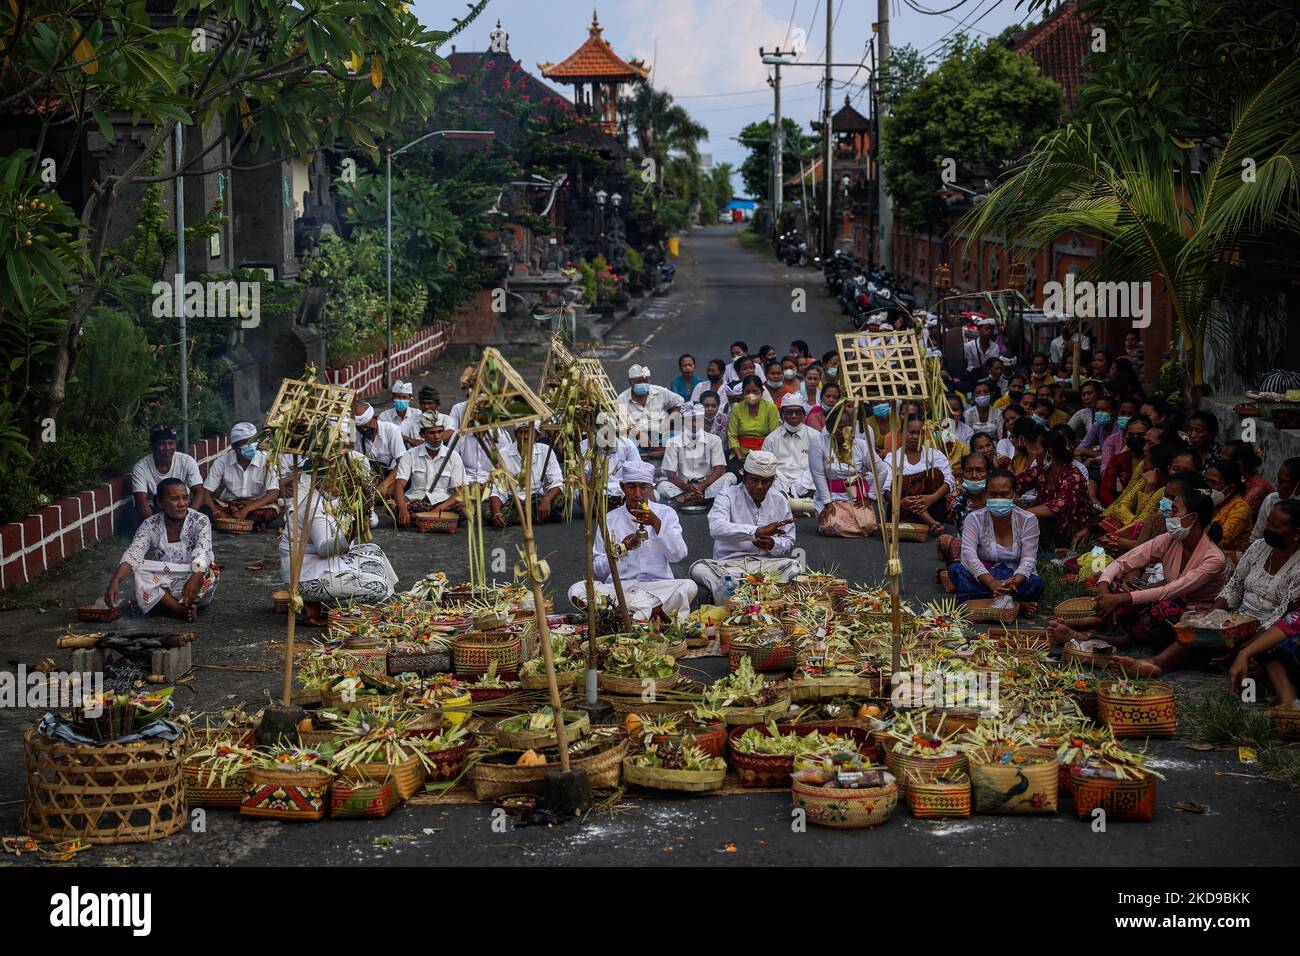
x: 765, y: 89
x: 935, y: 13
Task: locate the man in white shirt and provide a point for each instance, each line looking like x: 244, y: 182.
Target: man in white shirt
x: 752, y: 530
x: 402, y: 414
x: 380, y: 442
x: 467, y: 379
x: 428, y: 477
x: 1064, y: 342
x: 789, y: 444
x: 647, y: 538
x: 238, y: 478
x: 623, y: 453
x: 980, y: 349
x: 695, y: 465
x: 648, y: 407
x: 163, y: 461
x: 547, y: 480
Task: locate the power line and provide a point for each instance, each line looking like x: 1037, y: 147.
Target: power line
x: 696, y: 96
x: 934, y: 13
x: 967, y: 23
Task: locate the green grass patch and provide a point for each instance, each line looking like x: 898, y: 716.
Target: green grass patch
x: 1220, y: 717
x: 754, y: 242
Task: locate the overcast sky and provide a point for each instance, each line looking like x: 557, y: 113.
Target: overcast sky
x: 705, y: 52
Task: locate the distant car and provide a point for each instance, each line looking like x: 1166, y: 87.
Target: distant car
x: 724, y: 216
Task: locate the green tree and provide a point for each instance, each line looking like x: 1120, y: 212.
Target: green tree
x: 756, y: 170
x: 660, y: 125
x: 1208, y: 236
x: 902, y: 74
x: 280, y: 79
x: 983, y: 107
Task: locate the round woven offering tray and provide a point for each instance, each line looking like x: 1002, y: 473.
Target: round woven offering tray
x: 688, y: 781
x: 635, y: 686
x: 1074, y: 609
x: 576, y: 724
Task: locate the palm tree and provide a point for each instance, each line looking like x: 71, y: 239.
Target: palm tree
x: 1209, y: 235
x: 660, y: 125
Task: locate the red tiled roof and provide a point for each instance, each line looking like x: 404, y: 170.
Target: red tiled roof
x: 595, y: 60
x: 1058, y: 46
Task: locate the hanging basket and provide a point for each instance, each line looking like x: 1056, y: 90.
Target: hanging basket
x: 103, y: 793
x: 933, y: 798
x: 474, y: 652
x: 1133, y: 799
x: 688, y: 781
x: 846, y: 809
x: 1029, y: 787
x: 355, y: 798
x: 1152, y: 713
x: 291, y: 795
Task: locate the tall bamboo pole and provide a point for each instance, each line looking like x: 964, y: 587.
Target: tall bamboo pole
x: 297, y: 550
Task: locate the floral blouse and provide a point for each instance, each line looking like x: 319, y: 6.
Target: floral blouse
x: 150, y: 542
x: 1067, y: 499
x: 1135, y: 503
x: 1252, y: 590
x: 1234, y: 517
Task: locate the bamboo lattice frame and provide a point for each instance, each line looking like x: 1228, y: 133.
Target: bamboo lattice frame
x: 610, y: 404
x: 314, y: 402
x: 509, y: 387
x: 558, y: 360
x: 882, y: 366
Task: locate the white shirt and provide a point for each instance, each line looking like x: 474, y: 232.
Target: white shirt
x: 418, y: 469
x: 455, y: 412
x: 930, y: 458
x: 650, y: 560
x: 791, y: 451
x: 546, y: 474
x: 707, y: 386
x: 1080, y: 422
x: 992, y: 427
x: 980, y: 547
x: 693, y: 458
x: 625, y: 452
x: 145, y: 475
x: 385, y: 448
x: 650, y: 420
x: 977, y: 358
x: 1265, y: 509
x: 1007, y: 449
x: 234, y: 481
x: 326, y: 543
x: 826, y: 468
x: 734, y: 518
x: 410, y: 425
x: 962, y: 432
x: 1057, y: 348
x: 477, y: 464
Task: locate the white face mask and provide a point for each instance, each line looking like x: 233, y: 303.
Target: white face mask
x: 1217, y: 497
x: 1175, y: 528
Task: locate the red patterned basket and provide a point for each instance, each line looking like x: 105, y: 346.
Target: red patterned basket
x: 711, y: 739
x: 1133, y: 799
x: 447, y: 764
x: 357, y: 798
x: 765, y: 658
x: 475, y: 652
x: 1150, y: 714
x: 287, y: 795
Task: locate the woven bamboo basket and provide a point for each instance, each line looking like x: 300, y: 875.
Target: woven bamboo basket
x: 281, y: 601
x: 230, y: 525
x: 1074, y: 609
x: 562, y: 679
x: 576, y: 724
x: 1017, y: 639
x: 982, y: 611
x: 294, y: 795
x: 623, y: 706
x: 1150, y: 714
x: 1286, y: 721
x: 475, y: 651
x: 688, y: 781
x: 345, y: 620
x: 908, y: 767
x: 761, y: 770
x: 854, y: 730
x: 89, y: 612
x: 765, y: 658
x: 496, y: 779
x: 744, y: 716
x: 331, y: 699
x: 605, y: 767
x: 1100, y: 662
x: 911, y: 531
x: 809, y: 689
x: 198, y: 792
x: 931, y: 798
x: 425, y: 664
x: 844, y: 809
x: 711, y: 739
x: 1087, y: 701
x: 435, y: 521
x: 407, y: 775
x: 998, y: 787
x: 367, y: 660
x: 635, y: 686
x: 1133, y: 799
x: 485, y: 695
x: 907, y: 618
x: 105, y: 793
x: 356, y: 798
x: 447, y: 764
x: 952, y: 719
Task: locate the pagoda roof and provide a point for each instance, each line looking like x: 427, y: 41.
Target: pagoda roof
x: 595, y: 60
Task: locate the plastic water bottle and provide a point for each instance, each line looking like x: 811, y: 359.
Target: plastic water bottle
x: 728, y: 586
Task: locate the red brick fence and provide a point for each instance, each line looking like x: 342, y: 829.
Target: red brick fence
x: 366, y: 375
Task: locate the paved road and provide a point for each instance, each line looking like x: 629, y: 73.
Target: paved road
x: 723, y: 293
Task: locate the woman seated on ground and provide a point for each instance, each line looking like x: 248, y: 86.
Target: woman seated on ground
x: 1288, y: 483
x: 1246, y: 457
x: 999, y: 549
x: 1266, y: 581
x: 841, y: 466
x: 1140, y: 499
x: 975, y: 469
x: 1231, y: 510
x: 1192, y: 569
x: 335, y: 569
x: 926, y: 476
x: 1022, y: 436
x: 1278, y: 648
x: 983, y: 445
x: 749, y: 421
x: 170, y: 557
x: 1184, y: 459
x: 1060, y: 496
x: 982, y: 416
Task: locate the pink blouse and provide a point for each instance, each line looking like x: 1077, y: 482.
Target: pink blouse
x: 1200, y: 581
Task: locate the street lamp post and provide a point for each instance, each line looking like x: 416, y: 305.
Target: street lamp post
x: 468, y: 134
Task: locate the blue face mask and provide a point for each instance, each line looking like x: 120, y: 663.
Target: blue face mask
x: 881, y: 411
x: 1123, y: 421
x: 641, y: 389
x: 432, y: 449
x: 974, y: 487
x: 1166, y: 506
x: 401, y: 406
x: 249, y: 450
x: 1103, y: 418
x: 1040, y: 419
x: 1000, y: 507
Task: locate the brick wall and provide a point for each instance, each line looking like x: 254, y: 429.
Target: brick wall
x: 366, y: 375
x: 41, y: 541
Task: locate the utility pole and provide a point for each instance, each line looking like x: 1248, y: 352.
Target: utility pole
x: 886, y: 208
x: 828, y: 187
x: 776, y: 193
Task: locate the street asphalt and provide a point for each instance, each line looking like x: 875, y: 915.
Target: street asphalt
x: 722, y: 292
